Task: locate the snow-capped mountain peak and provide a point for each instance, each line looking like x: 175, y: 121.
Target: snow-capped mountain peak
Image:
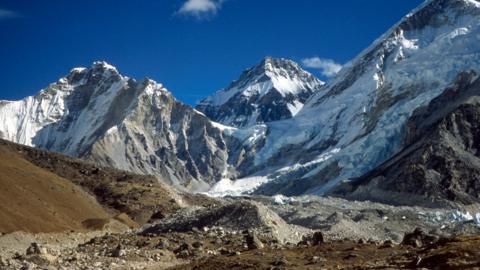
x: 274, y: 89
x: 81, y: 88
x: 97, y: 114
x: 287, y: 76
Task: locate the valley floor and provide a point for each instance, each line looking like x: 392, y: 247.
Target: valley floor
x: 455, y: 253
x: 204, y: 252
x: 262, y: 233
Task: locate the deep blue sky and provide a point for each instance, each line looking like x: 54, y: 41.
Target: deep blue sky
x: 40, y: 41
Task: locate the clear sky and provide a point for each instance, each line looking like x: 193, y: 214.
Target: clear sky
x: 193, y: 47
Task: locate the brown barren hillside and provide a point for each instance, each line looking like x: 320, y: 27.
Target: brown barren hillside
x: 141, y: 197
x: 33, y: 199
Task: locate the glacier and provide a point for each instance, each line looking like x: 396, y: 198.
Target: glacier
x: 363, y: 110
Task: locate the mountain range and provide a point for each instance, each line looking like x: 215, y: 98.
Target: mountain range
x: 280, y: 130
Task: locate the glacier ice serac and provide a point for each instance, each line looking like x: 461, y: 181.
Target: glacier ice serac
x: 278, y: 129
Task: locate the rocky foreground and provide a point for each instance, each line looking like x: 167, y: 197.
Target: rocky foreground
x: 243, y: 233
x: 218, y: 249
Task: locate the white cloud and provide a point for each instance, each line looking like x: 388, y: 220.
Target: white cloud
x: 327, y: 67
x: 8, y: 14
x: 200, y: 8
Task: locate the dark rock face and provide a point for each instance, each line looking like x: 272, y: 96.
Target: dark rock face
x: 440, y: 162
x: 431, y: 14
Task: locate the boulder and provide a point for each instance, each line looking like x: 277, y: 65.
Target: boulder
x: 313, y: 239
x: 419, y: 238
x: 252, y: 241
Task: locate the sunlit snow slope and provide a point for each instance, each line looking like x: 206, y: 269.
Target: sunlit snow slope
x: 357, y: 121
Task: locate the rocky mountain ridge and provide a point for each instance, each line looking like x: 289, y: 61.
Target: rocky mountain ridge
x: 99, y: 115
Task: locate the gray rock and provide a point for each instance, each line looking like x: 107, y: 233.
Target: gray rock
x: 252, y: 241
x: 35, y: 249
x: 163, y: 244
x: 313, y: 239
x: 118, y: 251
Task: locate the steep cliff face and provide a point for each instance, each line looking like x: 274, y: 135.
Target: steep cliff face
x: 440, y: 162
x: 100, y: 115
x: 274, y: 89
